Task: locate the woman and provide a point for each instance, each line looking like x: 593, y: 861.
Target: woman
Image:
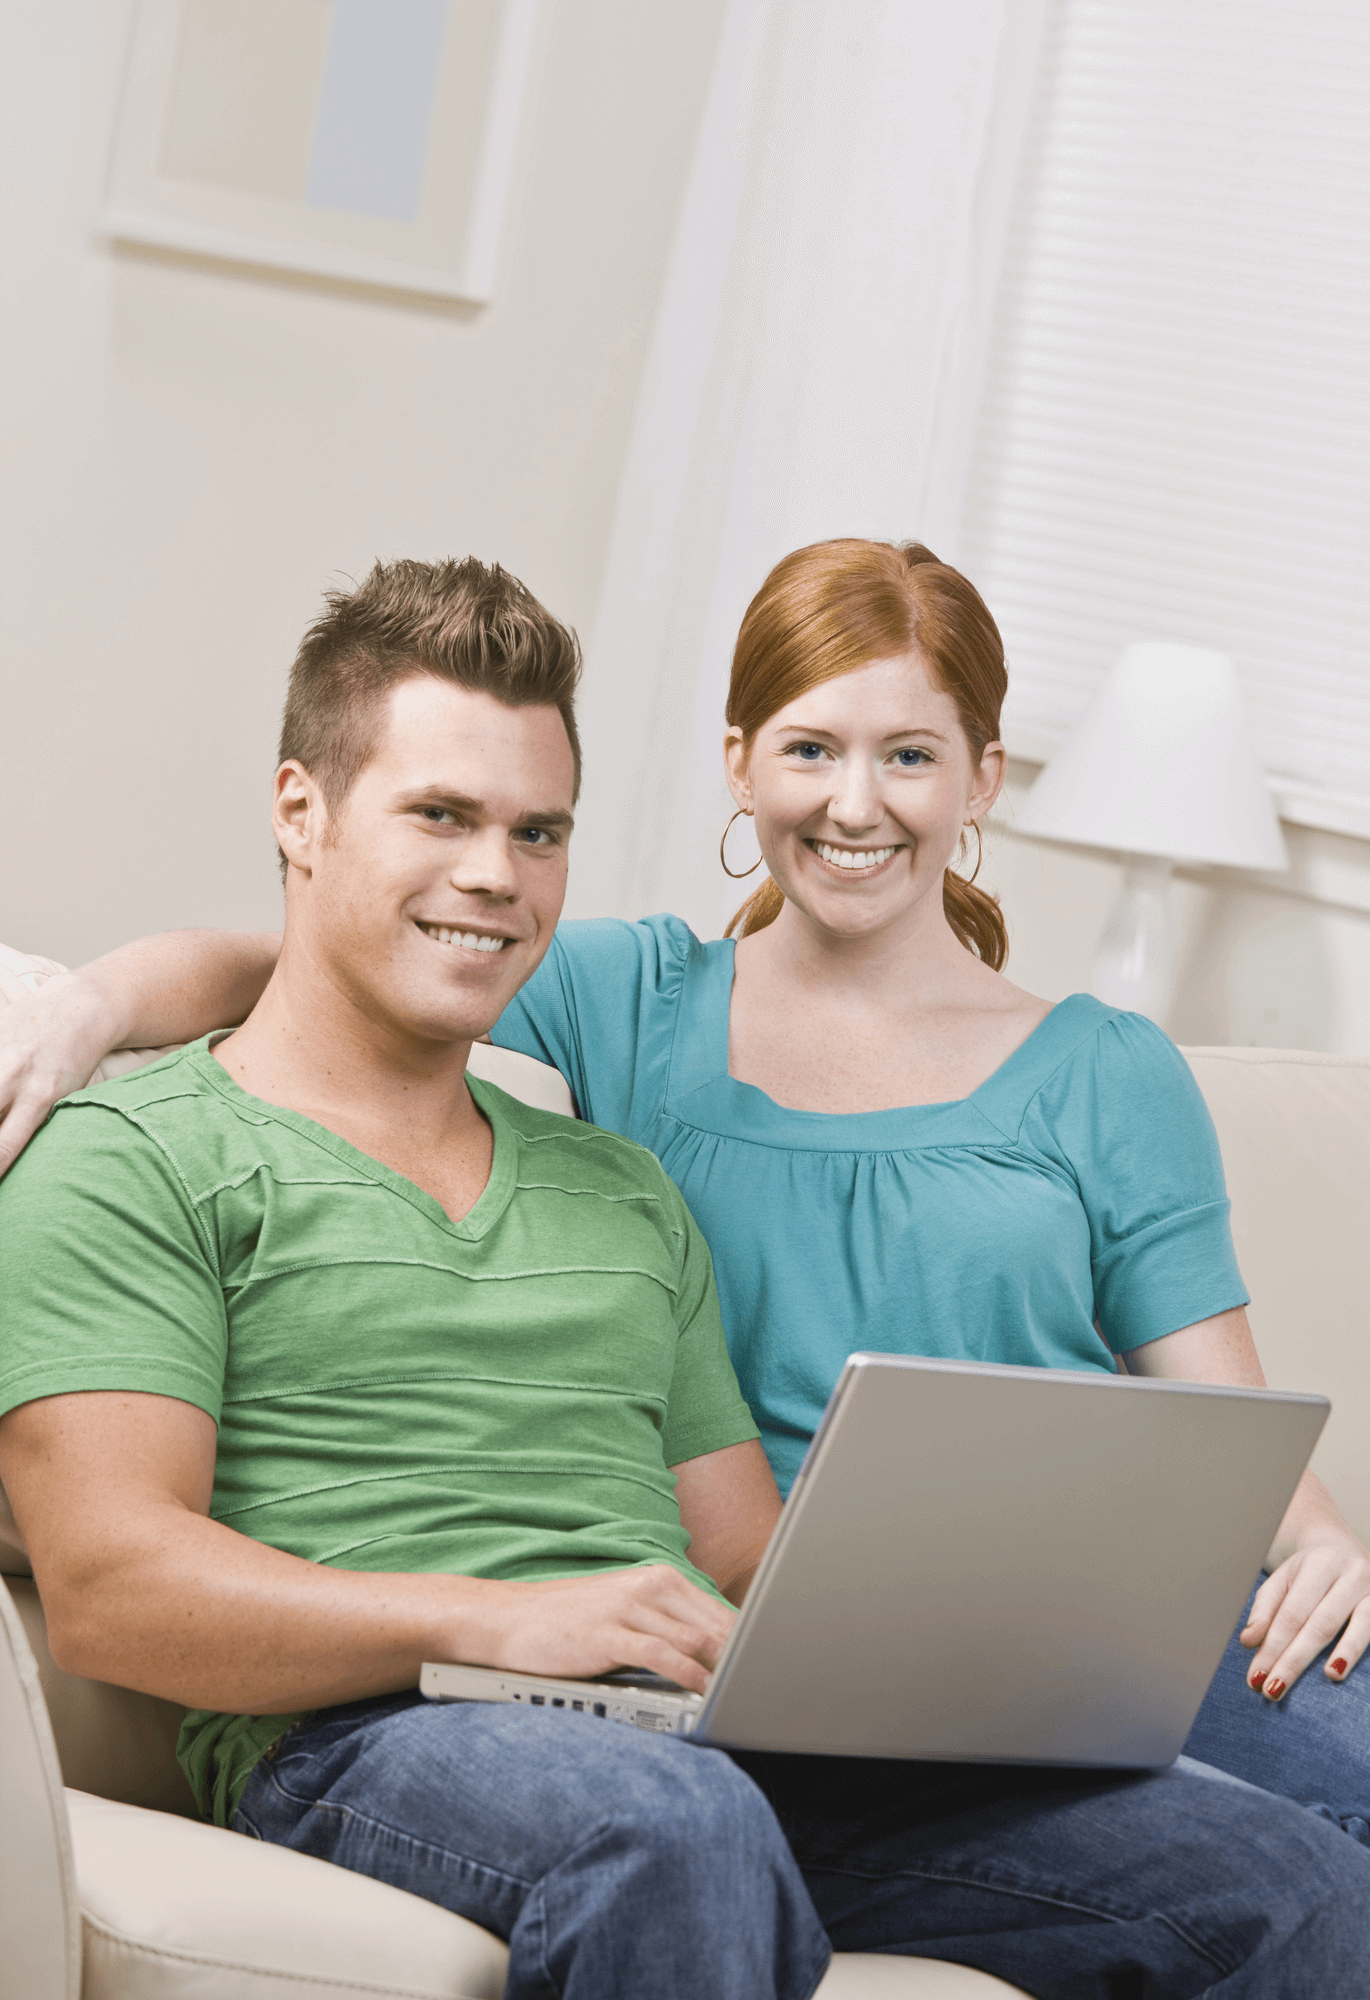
x: 887, y: 1144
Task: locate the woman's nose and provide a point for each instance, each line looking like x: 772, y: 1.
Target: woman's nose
x: 855, y: 801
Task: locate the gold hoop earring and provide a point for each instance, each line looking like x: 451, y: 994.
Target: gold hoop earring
x: 979, y: 851
x: 737, y: 875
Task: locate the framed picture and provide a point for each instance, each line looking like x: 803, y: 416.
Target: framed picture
x: 371, y: 140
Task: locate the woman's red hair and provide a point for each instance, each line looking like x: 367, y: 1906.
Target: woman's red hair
x: 836, y: 606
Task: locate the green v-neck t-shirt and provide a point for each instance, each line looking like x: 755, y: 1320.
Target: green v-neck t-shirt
x: 1071, y: 1208
x: 499, y: 1397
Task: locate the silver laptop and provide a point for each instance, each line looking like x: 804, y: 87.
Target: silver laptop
x: 1008, y: 1565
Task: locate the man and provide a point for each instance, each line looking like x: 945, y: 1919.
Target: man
x: 319, y: 1362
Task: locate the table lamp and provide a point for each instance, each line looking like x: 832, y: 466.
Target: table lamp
x: 1161, y: 768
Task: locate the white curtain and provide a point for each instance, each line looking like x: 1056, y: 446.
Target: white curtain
x: 815, y: 371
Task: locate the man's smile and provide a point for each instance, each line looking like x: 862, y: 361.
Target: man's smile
x: 464, y: 940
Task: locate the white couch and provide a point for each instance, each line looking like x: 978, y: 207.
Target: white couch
x: 111, y: 1890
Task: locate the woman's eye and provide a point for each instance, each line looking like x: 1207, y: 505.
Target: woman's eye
x: 807, y: 753
x: 909, y: 760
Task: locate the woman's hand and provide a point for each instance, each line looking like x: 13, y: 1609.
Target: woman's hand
x: 148, y: 995
x: 1317, y: 1595
x: 51, y: 1039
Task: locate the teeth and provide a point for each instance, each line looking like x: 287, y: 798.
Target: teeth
x: 844, y: 857
x: 465, y: 940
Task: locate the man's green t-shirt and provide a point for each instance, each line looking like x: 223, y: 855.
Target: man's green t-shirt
x: 498, y: 1397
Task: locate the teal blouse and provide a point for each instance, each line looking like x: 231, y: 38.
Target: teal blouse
x: 1080, y: 1183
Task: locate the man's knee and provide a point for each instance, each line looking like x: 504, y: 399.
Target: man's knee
x: 696, y: 1807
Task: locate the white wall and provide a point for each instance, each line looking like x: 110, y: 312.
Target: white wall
x: 192, y: 452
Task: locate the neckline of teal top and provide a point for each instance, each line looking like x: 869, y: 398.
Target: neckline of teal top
x: 701, y: 1093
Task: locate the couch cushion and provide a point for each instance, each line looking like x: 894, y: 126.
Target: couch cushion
x: 864, y: 1975
x: 172, y: 1910
x: 1295, y: 1135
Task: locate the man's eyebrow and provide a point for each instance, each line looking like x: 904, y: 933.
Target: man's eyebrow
x: 461, y: 802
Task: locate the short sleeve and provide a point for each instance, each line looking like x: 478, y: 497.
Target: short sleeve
x: 107, y: 1280
x: 601, y: 1009
x: 1125, y: 1117
x: 706, y: 1410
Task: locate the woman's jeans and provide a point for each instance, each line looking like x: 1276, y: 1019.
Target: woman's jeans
x: 1312, y: 1746
x: 622, y: 1865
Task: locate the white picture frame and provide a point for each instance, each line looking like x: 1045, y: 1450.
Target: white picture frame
x: 168, y: 186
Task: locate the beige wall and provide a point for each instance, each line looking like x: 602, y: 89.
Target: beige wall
x: 192, y: 452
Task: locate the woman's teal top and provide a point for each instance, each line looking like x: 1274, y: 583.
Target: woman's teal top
x: 1080, y: 1183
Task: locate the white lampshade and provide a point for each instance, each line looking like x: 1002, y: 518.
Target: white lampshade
x: 1162, y: 763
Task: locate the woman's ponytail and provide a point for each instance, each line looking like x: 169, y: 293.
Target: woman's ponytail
x: 762, y: 907
x: 976, y: 918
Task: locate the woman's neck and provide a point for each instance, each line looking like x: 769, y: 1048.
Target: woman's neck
x: 919, y: 963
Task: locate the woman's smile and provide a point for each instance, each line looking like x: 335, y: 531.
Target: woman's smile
x: 850, y: 861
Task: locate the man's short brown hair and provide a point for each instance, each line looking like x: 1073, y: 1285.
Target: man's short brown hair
x: 467, y: 622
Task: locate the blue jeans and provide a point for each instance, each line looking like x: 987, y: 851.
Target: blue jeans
x: 620, y: 1864
x: 1313, y: 1745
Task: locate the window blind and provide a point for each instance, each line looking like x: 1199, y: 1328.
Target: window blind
x: 1174, y: 442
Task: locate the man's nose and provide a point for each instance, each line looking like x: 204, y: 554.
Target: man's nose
x: 484, y: 866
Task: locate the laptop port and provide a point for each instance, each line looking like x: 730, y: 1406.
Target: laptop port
x: 539, y: 1700
x: 579, y: 1707
x: 600, y: 1708
x: 558, y: 1701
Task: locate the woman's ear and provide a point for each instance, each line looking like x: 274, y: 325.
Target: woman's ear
x: 737, y: 768
x: 988, y: 781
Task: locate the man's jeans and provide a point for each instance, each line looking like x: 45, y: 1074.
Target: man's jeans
x: 626, y: 1866
x: 1313, y: 1745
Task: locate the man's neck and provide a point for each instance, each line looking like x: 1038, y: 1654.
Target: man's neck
x: 311, y: 1046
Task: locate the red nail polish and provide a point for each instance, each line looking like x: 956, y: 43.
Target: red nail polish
x: 1258, y: 1680
x: 1275, y: 1690
x: 1339, y: 1666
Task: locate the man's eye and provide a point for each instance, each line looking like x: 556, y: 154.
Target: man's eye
x: 437, y: 815
x: 533, y: 836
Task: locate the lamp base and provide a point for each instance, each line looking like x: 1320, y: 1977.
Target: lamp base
x: 1134, y: 963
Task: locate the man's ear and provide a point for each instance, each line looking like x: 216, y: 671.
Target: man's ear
x: 299, y: 817
x: 737, y: 768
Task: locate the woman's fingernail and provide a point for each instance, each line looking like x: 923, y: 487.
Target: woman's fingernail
x: 1339, y: 1666
x: 1274, y: 1690
x: 1258, y: 1680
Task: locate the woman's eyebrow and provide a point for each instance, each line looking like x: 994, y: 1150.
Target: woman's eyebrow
x: 805, y: 732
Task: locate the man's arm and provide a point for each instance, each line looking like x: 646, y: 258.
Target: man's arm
x: 168, y: 988
x: 111, y: 1491
x: 729, y: 1504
